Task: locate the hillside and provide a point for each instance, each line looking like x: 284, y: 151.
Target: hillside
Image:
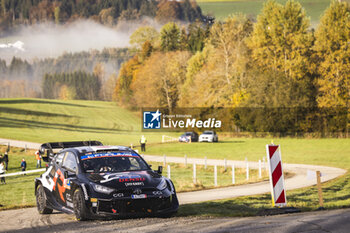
x: 223, y: 8
x: 41, y: 120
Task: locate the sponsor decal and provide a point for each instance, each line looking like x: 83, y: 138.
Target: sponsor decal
x: 118, y: 195
x: 157, y: 193
x: 61, y: 187
x: 121, y: 180
x: 85, y: 192
x: 108, y: 154
x: 66, y: 183
x: 137, y: 191
x: 134, y: 184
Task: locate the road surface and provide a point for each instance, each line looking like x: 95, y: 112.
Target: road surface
x: 19, y: 221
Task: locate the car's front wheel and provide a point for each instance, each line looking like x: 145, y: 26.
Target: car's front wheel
x: 41, y: 201
x: 80, y: 210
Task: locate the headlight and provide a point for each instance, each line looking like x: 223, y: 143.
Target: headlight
x: 102, y: 189
x: 162, y: 185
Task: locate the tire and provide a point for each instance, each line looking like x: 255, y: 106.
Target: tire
x: 41, y: 201
x: 80, y: 210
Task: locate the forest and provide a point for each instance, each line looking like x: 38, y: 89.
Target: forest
x: 16, y: 13
x: 276, y: 62
x: 23, y: 79
x: 296, y: 74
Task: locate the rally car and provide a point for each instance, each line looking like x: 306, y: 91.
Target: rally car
x: 90, y: 180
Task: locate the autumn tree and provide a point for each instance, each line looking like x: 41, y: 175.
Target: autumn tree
x: 122, y: 91
x: 158, y: 82
x: 106, y: 16
x: 143, y: 34
x: 219, y: 72
x: 168, y: 11
x: 170, y: 37
x: 281, y: 42
x: 333, y: 50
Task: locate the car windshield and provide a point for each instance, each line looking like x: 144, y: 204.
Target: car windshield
x: 188, y: 134
x: 208, y: 132
x: 112, y: 162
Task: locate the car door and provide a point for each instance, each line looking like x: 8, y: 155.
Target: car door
x: 58, y: 177
x: 69, y: 166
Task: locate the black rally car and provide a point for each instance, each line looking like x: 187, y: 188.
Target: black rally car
x: 91, y: 180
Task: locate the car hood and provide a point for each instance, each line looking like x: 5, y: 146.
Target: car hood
x: 122, y: 180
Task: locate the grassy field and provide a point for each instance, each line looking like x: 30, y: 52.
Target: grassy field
x: 183, y: 181
x: 336, y: 194
x: 328, y: 151
x: 40, y: 120
x: 222, y: 8
x: 19, y: 190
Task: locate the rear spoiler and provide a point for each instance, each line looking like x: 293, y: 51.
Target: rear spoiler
x: 50, y: 146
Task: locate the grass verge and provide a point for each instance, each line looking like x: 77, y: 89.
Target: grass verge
x: 336, y: 194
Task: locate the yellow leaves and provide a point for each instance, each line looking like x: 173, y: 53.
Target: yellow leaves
x: 159, y: 80
x: 332, y: 46
x: 67, y: 93
x: 239, y: 97
x: 143, y: 34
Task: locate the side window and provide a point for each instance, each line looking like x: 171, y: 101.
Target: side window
x: 59, y: 158
x: 70, y: 162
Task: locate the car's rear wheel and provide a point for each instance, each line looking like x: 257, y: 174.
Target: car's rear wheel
x: 80, y: 210
x: 41, y: 201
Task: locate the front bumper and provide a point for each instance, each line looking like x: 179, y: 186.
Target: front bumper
x: 128, y: 206
x: 206, y: 139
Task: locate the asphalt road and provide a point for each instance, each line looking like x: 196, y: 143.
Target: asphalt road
x: 314, y: 222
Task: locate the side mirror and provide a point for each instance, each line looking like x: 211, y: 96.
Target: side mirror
x: 160, y: 170
x: 67, y: 174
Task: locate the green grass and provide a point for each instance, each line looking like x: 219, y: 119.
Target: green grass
x: 327, y: 151
x: 336, y: 194
x: 182, y: 176
x: 19, y: 190
x: 222, y: 9
x: 41, y: 120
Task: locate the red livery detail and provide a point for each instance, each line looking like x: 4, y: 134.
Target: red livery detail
x: 131, y: 179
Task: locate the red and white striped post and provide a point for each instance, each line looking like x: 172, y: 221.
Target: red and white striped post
x: 276, y: 175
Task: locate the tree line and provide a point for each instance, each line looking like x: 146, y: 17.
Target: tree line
x: 75, y: 85
x: 28, y: 75
x: 25, y: 12
x: 276, y: 62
